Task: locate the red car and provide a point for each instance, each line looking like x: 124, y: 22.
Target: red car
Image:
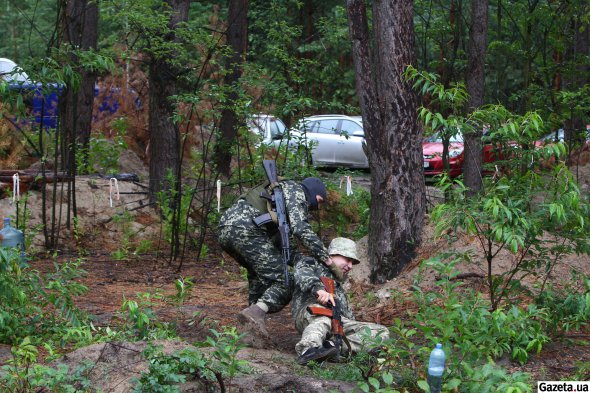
x: 432, y: 149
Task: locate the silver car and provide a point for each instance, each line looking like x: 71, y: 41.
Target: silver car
x: 336, y: 140
x: 268, y: 127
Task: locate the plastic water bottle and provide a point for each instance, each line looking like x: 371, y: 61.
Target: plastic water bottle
x: 12, y: 237
x: 436, y: 366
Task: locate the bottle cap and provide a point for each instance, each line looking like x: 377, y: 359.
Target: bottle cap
x: 439, y: 346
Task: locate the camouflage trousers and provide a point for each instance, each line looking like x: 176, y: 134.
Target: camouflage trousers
x: 316, y: 329
x: 255, y: 251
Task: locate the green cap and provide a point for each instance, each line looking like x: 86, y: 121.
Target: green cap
x: 345, y: 247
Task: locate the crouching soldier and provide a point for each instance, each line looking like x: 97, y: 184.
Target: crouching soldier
x: 317, y: 338
x: 255, y: 247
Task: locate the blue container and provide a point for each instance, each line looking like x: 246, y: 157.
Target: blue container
x: 12, y: 237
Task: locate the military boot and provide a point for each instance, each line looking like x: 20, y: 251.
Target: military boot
x: 318, y: 354
x: 253, y: 316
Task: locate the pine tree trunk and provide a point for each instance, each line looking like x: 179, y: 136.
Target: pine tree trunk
x: 237, y: 40
x: 394, y: 139
x: 80, y: 30
x: 577, y: 132
x: 164, y: 134
x: 472, y: 166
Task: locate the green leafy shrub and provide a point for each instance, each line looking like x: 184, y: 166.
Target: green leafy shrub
x: 174, y: 217
x: 140, y: 320
x: 490, y: 378
x: 472, y: 335
x: 346, y: 215
x: 102, y: 155
x: 569, y: 307
x: 538, y: 218
x: 21, y: 374
x: 37, y: 305
x: 216, y: 366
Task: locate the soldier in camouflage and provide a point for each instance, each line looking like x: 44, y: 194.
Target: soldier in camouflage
x: 310, y: 291
x: 258, y: 249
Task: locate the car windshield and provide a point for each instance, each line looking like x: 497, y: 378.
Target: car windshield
x: 437, y: 138
x: 257, y: 125
x: 277, y: 128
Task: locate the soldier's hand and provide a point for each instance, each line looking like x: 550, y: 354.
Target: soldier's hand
x: 325, y: 297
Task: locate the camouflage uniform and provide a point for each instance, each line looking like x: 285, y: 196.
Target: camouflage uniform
x: 316, y: 328
x: 255, y: 249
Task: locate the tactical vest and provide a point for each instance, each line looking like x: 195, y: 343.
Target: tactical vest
x: 263, y: 205
x: 253, y: 197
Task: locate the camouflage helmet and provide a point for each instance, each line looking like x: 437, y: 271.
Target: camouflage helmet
x: 345, y: 247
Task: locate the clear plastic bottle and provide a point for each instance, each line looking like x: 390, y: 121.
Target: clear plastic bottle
x: 436, y: 367
x: 12, y: 237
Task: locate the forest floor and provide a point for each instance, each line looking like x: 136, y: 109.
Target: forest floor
x: 220, y: 292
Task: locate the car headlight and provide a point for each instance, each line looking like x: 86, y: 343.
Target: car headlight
x: 455, y: 153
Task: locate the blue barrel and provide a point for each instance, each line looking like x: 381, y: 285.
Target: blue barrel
x: 11, y: 237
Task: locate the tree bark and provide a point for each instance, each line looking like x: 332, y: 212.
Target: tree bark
x: 577, y: 133
x: 472, y: 166
x: 80, y: 30
x: 237, y: 40
x: 164, y: 134
x: 394, y: 139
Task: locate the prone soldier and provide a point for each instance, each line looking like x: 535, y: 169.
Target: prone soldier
x: 310, y: 294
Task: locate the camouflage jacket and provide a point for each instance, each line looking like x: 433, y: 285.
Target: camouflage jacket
x: 242, y: 213
x: 307, y: 282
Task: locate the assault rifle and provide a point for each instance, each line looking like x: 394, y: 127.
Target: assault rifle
x: 334, y: 313
x: 277, y: 201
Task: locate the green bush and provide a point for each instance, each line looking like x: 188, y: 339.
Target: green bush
x: 465, y: 321
x: 21, y: 374
x: 215, y: 367
x: 37, y: 305
x: 472, y: 335
x: 569, y: 307
x: 139, y: 319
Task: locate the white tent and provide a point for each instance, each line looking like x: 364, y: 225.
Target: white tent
x: 7, y: 66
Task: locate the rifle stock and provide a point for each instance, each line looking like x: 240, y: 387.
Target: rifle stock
x: 326, y: 312
x: 337, y: 328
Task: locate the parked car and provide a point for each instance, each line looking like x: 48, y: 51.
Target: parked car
x: 268, y: 127
x: 432, y: 150
x: 554, y: 136
x: 558, y: 136
x: 336, y: 140
x: 10, y: 72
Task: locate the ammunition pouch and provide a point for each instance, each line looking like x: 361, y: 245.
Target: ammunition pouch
x: 255, y: 200
x: 266, y: 222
